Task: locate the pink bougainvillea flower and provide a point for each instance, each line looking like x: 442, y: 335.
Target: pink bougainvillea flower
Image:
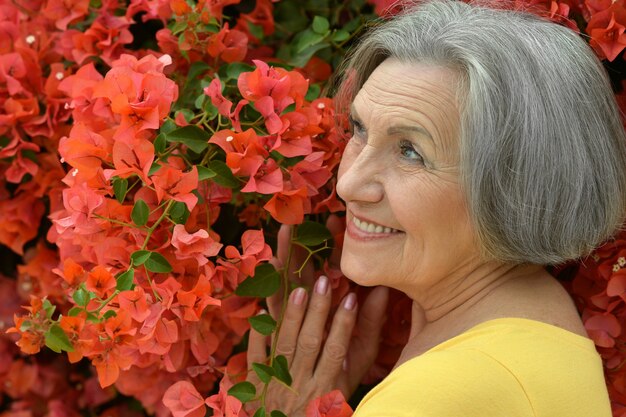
x: 332, y: 404
x: 184, y: 400
x: 86, y: 150
x: 20, y: 220
x: 214, y: 91
x: 135, y: 159
x: 606, y: 29
x: 268, y: 179
x: 228, y: 45
x: 198, y: 245
x: 100, y: 281
x: 603, y: 329
x: 135, y: 302
x: 194, y: 302
x: 289, y: 206
x: 175, y: 184
x: 244, y: 152
x: 80, y: 202
x: 64, y: 12
x: 272, y: 90
x: 224, y: 405
x: 254, y: 248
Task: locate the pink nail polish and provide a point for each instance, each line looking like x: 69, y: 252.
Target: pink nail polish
x: 350, y: 301
x: 297, y: 296
x: 322, y: 285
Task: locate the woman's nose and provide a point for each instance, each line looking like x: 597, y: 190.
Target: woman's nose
x: 359, y: 176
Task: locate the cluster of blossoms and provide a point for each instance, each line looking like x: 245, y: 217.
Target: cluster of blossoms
x: 149, y: 151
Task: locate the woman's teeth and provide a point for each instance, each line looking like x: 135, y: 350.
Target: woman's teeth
x: 372, y: 228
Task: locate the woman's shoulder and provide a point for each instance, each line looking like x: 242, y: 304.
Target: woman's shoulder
x: 505, y: 366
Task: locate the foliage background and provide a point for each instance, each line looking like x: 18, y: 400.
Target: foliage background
x: 150, y: 150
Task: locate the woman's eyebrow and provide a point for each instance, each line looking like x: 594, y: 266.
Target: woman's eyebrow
x: 413, y: 129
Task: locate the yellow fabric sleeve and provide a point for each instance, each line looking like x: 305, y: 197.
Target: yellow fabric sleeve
x: 508, y: 367
x: 449, y: 383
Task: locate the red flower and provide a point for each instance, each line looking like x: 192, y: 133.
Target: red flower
x: 177, y: 185
x: 288, y: 207
x: 272, y: 90
x: 184, y: 400
x: 606, y: 29
x: 198, y: 246
x: 332, y: 404
x: 228, y: 45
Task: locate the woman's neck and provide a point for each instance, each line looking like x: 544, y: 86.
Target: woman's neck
x: 459, y: 304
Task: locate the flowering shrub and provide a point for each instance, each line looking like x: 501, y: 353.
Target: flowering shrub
x: 149, y: 151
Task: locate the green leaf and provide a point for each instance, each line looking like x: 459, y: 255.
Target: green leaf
x: 179, y: 26
x: 125, y: 280
x: 302, y: 57
x: 48, y: 307
x: 159, y: 143
x: 243, y: 391
x: 139, y: 257
x: 260, y: 412
x: 264, y: 372
x: 56, y: 339
x: 26, y: 325
x: 277, y: 413
x: 154, y: 168
x: 168, y: 126
x: 263, y: 323
x: 256, y: 30
x: 108, y: 314
x: 157, y: 263
x: 205, y: 173
x: 192, y: 136
x: 281, y: 369
x: 264, y: 283
x: 306, y: 39
x: 140, y: 213
x: 340, y: 35
x: 311, y: 234
x: 223, y: 175
x: 179, y: 213
x: 199, y: 102
x: 313, y: 92
x: 75, y: 311
x: 81, y: 297
x: 120, y: 188
x: 320, y: 25
x: 236, y: 68
x: 197, y: 69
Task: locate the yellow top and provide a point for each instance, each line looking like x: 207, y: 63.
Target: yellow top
x: 508, y: 367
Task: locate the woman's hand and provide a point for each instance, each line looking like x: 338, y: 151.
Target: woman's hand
x: 317, y: 366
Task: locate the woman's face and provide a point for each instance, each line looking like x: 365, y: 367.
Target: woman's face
x: 407, y: 225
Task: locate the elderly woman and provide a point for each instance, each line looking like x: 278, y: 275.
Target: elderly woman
x: 486, y: 144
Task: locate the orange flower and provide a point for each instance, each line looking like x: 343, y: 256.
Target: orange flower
x: 177, y: 185
x: 288, y: 207
x: 100, y: 281
x: 229, y: 45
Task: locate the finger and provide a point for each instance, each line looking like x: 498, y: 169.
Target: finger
x: 364, y: 345
x: 336, y: 228
x: 335, y: 349
x: 292, y: 322
x: 257, y: 352
x: 312, y: 331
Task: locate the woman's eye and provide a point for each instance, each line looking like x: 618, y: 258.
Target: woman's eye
x: 356, y: 127
x: 407, y: 150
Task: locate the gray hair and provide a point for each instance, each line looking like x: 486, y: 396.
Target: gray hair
x: 543, y: 150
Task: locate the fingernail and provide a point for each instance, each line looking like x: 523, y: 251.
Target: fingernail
x: 261, y: 312
x: 350, y: 301
x: 297, y: 296
x: 322, y: 285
